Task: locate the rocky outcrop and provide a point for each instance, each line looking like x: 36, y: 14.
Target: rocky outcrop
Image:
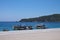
x: 22, y: 28
x: 41, y: 27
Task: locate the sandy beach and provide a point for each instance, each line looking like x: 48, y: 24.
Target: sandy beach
x: 41, y: 34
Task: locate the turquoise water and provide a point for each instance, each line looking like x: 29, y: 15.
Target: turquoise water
x: 9, y: 25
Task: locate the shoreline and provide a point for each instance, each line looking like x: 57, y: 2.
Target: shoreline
x: 30, y: 30
x: 38, y: 34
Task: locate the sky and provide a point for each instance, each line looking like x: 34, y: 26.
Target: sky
x: 15, y: 10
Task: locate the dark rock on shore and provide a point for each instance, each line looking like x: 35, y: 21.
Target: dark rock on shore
x: 5, y: 30
x: 41, y: 27
x: 19, y: 28
x: 22, y: 28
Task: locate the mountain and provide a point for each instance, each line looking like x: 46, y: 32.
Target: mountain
x: 48, y: 18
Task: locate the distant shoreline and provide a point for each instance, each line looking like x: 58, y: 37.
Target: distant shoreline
x: 48, y: 18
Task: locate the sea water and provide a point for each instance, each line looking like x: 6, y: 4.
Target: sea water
x: 9, y: 25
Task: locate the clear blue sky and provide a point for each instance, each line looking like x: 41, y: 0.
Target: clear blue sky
x: 14, y: 10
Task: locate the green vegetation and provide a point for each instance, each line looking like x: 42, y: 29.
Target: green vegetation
x: 49, y: 18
